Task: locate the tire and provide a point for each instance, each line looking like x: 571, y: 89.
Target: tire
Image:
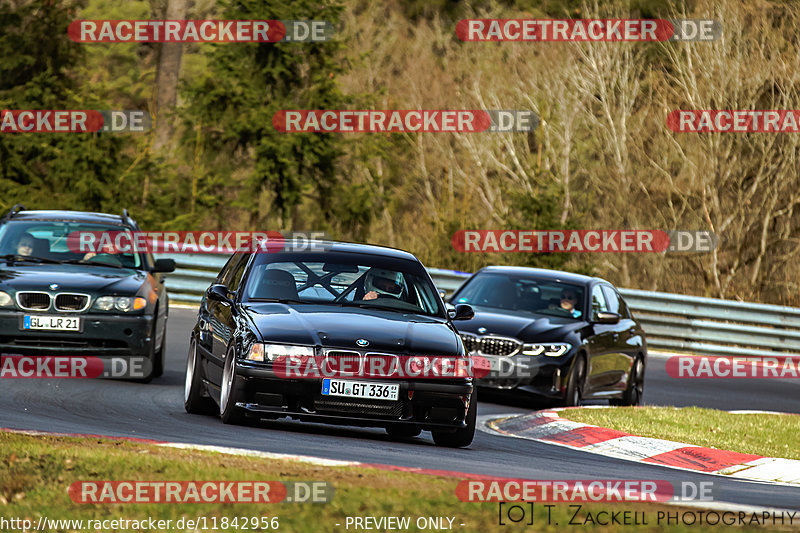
x: 193, y: 400
x: 576, y: 383
x: 158, y: 356
x: 635, y: 390
x: 230, y: 392
x: 403, y: 431
x: 153, y: 356
x: 461, y: 437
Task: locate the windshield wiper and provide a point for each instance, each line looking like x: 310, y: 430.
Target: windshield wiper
x: 278, y: 300
x: 92, y: 263
x: 10, y: 258
x: 382, y: 307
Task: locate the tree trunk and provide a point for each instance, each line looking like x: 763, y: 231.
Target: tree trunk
x: 169, y: 66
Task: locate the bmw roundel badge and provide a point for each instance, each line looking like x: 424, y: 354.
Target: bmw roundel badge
x: 362, y: 342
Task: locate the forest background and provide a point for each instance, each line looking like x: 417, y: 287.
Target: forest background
x: 602, y: 157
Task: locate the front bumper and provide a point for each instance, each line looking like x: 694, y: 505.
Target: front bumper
x: 101, y: 334
x: 539, y: 375
x: 430, y: 404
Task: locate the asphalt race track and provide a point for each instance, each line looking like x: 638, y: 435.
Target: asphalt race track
x: 156, y: 411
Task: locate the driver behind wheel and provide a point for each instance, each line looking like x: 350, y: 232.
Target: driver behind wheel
x: 568, y: 303
x: 568, y: 300
x: 380, y: 282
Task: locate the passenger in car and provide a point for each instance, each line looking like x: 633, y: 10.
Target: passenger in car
x: 25, y: 244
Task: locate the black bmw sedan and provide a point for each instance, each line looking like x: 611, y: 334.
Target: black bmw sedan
x: 57, y: 301
x: 305, y: 334
x: 554, y: 334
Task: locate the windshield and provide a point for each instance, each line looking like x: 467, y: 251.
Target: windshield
x: 528, y: 294
x: 46, y: 241
x: 343, y: 279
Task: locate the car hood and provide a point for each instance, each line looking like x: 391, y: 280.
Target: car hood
x: 340, y: 327
x: 519, y: 324
x: 71, y: 278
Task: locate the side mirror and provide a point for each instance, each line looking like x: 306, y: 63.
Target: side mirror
x: 219, y: 293
x: 164, y: 265
x: 607, y: 317
x: 462, y: 312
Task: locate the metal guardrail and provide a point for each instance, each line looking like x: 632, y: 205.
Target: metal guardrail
x: 672, y: 322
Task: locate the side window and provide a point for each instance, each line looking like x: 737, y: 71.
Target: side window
x: 612, y: 299
x: 237, y: 272
x: 598, y: 301
x: 225, y: 274
x: 624, y: 310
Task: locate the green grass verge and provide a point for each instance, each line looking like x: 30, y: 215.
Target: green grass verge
x: 767, y: 435
x: 36, y: 471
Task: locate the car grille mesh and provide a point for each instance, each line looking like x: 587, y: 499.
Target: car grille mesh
x: 40, y: 301
x: 33, y: 301
x: 363, y: 364
x: 359, y: 406
x: 490, y: 345
x: 71, y: 302
x: 342, y: 359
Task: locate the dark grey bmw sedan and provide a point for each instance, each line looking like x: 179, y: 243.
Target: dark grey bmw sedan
x: 559, y: 335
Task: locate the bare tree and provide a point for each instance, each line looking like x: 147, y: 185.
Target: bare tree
x: 167, y: 75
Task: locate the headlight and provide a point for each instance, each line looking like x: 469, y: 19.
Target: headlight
x: 120, y: 303
x: 550, y: 350
x: 104, y: 303
x: 273, y: 351
x: 5, y: 300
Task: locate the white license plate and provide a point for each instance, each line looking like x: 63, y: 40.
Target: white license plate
x: 53, y: 323
x: 495, y: 363
x: 360, y: 389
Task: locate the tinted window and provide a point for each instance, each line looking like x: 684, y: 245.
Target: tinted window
x: 611, y: 299
x: 598, y: 301
x: 615, y: 302
x: 523, y: 293
x: 342, y: 279
x: 226, y: 270
x: 232, y: 281
x: 62, y: 241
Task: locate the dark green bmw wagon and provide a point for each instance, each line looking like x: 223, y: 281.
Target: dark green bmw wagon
x: 56, y: 301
